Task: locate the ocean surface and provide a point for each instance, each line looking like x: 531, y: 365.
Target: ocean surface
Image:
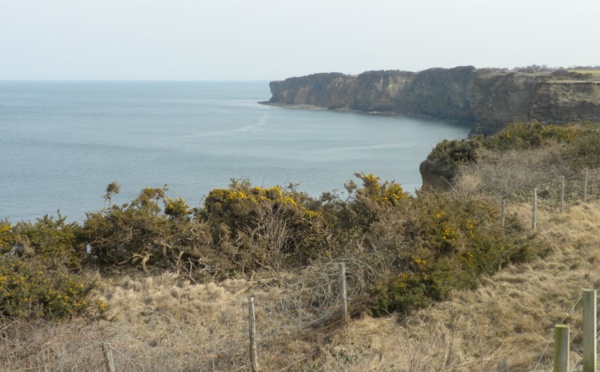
x: 62, y: 143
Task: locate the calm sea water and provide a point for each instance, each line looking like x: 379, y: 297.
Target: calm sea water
x: 62, y: 143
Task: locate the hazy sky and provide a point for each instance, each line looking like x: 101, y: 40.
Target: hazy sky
x: 275, y: 39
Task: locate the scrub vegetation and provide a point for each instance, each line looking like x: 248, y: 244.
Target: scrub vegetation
x: 166, y: 283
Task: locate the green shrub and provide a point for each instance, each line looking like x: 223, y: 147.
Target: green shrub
x: 139, y: 234
x: 28, y: 290
x: 48, y: 239
x: 364, y: 205
x: 523, y: 136
x: 259, y: 227
x: 456, y: 152
x: 583, y: 151
x: 438, y: 243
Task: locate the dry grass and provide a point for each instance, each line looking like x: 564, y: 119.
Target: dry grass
x: 513, y: 175
x: 163, y: 323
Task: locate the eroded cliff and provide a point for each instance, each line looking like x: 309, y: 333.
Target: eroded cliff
x: 488, y: 99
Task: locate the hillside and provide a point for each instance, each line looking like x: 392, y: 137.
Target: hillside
x: 435, y: 281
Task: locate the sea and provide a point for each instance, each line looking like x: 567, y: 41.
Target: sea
x: 63, y: 142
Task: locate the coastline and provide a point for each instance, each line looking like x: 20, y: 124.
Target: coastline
x: 306, y: 107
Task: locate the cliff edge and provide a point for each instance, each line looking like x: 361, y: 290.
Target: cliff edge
x: 487, y: 99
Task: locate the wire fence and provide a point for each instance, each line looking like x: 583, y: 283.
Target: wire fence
x: 290, y: 309
x: 556, y: 194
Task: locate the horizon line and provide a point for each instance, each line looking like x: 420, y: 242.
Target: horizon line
x: 136, y: 80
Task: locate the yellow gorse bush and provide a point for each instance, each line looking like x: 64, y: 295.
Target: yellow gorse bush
x: 5, y: 230
x: 386, y: 192
x: 28, y: 289
x: 437, y: 243
x: 176, y: 207
x: 255, y: 195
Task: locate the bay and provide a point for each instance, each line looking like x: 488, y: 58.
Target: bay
x: 62, y: 143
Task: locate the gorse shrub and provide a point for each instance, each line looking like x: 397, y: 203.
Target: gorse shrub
x: 516, y: 136
x: 523, y: 136
x: 455, y: 152
x: 583, y: 151
x: 363, y: 206
x: 139, y: 234
x: 50, y: 240
x: 514, y: 160
x: 28, y: 289
x: 259, y: 227
x: 39, y: 262
x: 438, y: 243
x: 177, y: 208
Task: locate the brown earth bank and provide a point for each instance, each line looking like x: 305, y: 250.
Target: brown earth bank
x: 488, y: 99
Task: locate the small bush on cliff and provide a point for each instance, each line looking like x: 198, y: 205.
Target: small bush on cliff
x: 523, y: 136
x: 456, y: 152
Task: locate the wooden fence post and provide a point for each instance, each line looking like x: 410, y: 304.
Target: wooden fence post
x: 534, y: 210
x: 502, y: 366
x: 562, y: 194
x: 561, y: 348
x: 252, y: 335
x: 343, y: 292
x: 589, y: 330
x: 585, y: 186
x: 503, y: 214
x: 108, y: 358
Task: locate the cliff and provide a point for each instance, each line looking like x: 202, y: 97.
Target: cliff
x: 488, y: 99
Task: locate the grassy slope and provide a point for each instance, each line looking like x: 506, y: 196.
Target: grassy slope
x: 594, y: 73
x: 157, y: 323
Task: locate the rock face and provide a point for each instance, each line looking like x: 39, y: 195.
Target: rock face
x: 488, y: 99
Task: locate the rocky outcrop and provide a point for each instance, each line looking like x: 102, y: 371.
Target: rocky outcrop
x: 566, y: 101
x: 436, y: 175
x: 488, y: 99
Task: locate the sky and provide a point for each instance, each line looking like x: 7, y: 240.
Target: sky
x: 276, y: 39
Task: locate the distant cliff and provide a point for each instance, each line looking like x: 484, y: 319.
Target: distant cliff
x: 488, y: 99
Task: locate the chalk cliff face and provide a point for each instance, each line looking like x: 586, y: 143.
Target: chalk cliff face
x: 488, y: 99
